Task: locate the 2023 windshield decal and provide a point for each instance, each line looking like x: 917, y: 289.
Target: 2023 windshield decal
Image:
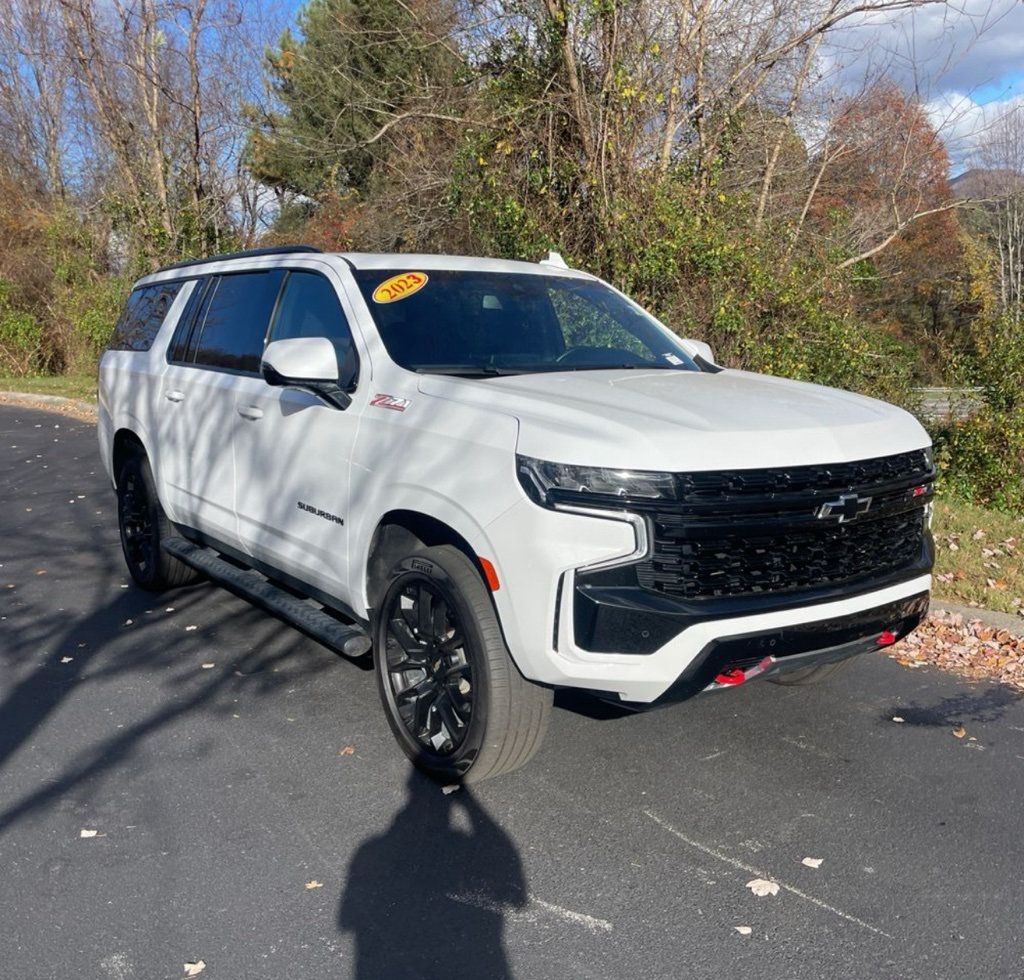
x: 399, y: 287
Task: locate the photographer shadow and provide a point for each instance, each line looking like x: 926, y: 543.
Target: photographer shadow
x: 428, y: 897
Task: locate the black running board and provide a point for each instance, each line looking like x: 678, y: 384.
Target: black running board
x: 349, y: 639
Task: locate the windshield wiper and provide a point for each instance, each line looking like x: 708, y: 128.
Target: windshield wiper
x: 469, y: 371
x: 624, y: 367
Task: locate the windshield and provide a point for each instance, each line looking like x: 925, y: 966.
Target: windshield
x: 495, y: 323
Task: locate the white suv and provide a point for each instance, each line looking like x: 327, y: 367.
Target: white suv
x: 504, y: 478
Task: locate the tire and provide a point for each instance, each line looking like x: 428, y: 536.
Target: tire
x: 458, y: 706
x: 806, y: 676
x: 144, y: 527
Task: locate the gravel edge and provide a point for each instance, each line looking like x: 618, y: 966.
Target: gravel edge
x: 49, y: 403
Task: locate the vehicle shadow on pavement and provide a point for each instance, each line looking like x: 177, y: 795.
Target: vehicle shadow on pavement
x: 985, y: 706
x: 428, y: 897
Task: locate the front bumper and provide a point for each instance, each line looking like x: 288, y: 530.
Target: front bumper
x: 538, y: 554
x: 735, y: 659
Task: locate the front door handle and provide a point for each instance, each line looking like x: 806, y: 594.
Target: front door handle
x: 175, y: 396
x: 250, y: 412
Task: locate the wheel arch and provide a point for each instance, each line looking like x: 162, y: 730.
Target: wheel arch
x: 126, y: 442
x: 399, y: 533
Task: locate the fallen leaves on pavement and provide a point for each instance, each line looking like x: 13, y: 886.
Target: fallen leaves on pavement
x: 812, y: 862
x: 761, y: 888
x: 194, y: 969
x: 959, y: 731
x: 743, y: 930
x: 313, y: 883
x: 967, y: 647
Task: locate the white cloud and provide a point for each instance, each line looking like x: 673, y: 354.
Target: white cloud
x: 965, y: 60
x: 971, y: 46
x: 964, y: 123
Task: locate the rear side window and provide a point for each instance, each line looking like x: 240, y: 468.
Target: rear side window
x: 235, y: 318
x: 142, y: 317
x: 309, y: 307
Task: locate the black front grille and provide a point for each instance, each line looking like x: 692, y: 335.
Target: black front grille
x: 718, y: 486
x: 782, y: 562
x: 756, y: 532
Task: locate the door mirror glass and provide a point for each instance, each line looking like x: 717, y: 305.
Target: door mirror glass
x: 308, y: 363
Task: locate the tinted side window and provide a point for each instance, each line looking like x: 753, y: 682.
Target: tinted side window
x: 143, y: 316
x: 309, y: 307
x: 190, y: 316
x: 237, y: 316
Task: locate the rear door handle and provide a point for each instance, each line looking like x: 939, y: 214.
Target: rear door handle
x: 175, y: 396
x: 250, y: 412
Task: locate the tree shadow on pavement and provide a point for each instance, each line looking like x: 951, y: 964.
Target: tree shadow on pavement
x: 104, y: 649
x: 427, y: 898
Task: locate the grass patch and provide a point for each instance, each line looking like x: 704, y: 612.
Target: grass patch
x: 81, y: 386
x: 979, y: 556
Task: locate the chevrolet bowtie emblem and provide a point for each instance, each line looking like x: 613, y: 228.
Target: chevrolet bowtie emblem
x: 846, y: 508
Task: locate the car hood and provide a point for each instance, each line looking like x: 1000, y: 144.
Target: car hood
x: 686, y: 420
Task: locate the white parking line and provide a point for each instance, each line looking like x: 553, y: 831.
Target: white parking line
x: 529, y: 914
x: 740, y: 866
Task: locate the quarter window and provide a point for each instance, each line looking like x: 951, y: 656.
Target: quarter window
x: 235, y: 320
x: 142, y: 317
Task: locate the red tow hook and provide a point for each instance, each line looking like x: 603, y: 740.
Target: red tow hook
x: 886, y: 638
x: 735, y: 676
x: 739, y: 676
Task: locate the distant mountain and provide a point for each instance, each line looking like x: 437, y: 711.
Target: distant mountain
x: 979, y: 182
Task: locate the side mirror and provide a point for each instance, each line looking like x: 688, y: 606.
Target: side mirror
x: 702, y: 350
x: 307, y: 363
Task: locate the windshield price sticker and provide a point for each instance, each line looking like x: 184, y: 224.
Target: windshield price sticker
x: 400, y: 286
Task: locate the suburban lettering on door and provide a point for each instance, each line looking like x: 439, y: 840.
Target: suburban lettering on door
x: 317, y: 512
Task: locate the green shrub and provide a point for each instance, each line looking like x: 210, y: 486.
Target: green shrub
x: 981, y: 457
x: 21, y: 335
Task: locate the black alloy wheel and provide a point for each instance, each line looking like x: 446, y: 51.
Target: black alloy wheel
x: 139, y: 525
x: 428, y: 665
x: 455, y: 701
x: 144, y: 527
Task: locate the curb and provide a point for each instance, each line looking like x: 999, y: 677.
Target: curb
x: 990, y: 617
x: 43, y: 401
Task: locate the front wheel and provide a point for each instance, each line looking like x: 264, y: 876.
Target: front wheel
x: 454, y: 699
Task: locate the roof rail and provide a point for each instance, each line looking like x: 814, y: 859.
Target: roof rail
x: 247, y: 254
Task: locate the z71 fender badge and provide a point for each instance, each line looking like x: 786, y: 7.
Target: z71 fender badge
x: 390, y: 401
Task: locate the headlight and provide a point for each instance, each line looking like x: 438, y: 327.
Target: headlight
x: 550, y: 483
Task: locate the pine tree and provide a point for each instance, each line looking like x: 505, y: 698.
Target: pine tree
x: 351, y: 70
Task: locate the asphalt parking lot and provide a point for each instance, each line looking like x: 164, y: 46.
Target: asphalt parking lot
x: 244, y: 804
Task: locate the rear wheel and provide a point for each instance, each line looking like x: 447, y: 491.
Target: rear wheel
x: 806, y: 676
x: 453, y: 697
x: 144, y: 527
